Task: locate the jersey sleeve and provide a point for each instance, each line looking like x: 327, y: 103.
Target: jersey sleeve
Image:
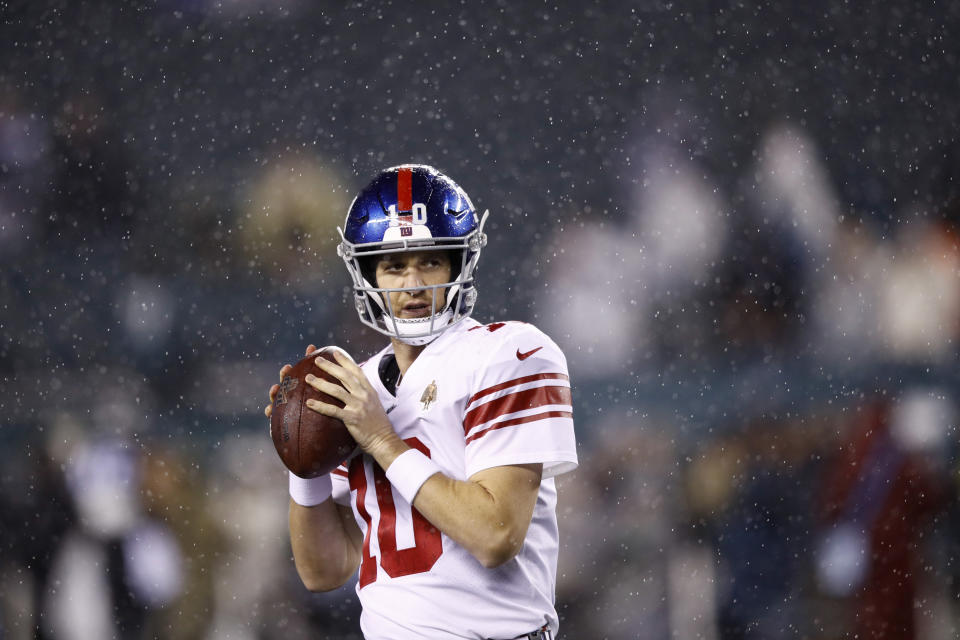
x: 520, y: 411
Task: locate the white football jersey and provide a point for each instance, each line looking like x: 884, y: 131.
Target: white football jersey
x: 479, y: 396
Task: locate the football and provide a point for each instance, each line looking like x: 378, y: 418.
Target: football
x: 309, y: 443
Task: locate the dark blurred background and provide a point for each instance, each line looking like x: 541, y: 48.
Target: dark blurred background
x: 739, y: 221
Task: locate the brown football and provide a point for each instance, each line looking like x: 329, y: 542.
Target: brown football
x: 309, y: 443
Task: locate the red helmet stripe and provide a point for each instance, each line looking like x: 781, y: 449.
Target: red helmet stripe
x: 405, y: 190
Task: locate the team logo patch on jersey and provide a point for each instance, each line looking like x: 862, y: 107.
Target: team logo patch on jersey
x: 429, y: 395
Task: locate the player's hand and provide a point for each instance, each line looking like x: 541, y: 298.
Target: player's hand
x: 362, y: 412
x: 284, y: 370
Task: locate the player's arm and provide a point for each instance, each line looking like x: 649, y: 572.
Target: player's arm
x: 325, y: 538
x: 488, y: 514
x: 326, y: 544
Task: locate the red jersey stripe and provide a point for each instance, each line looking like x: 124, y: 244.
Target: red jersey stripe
x: 358, y: 483
x: 516, y: 421
x: 516, y: 381
x: 340, y: 472
x: 404, y: 190
x: 513, y: 402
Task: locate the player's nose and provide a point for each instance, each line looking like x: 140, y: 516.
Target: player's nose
x: 412, y: 277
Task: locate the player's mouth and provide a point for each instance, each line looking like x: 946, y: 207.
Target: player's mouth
x: 415, y: 309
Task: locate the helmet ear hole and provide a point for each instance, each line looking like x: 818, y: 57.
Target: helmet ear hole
x: 368, y: 269
x: 456, y: 263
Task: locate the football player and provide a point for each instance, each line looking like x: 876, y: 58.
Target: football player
x: 448, y: 511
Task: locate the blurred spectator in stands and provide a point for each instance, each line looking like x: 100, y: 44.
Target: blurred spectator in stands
x: 171, y: 497
x: 252, y: 562
x: 36, y: 514
x: 120, y: 566
x: 794, y: 226
x: 285, y: 238
x: 920, y: 293
x: 826, y: 264
x: 771, y: 274
x: 621, y: 289
x: 794, y: 189
x: 250, y: 540
x: 683, y: 226
x: 750, y: 497
x: 759, y: 305
x: 616, y: 519
x: 895, y: 298
x: 845, y: 329
x: 147, y: 310
x: 288, y: 220
x: 594, y: 302
x: 879, y: 493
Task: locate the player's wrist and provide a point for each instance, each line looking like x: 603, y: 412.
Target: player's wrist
x: 409, y: 471
x: 309, y: 492
x: 384, y: 446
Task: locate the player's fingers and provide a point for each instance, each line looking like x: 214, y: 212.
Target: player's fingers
x: 328, y: 388
x: 345, y: 361
x: 342, y: 355
x: 284, y: 370
x: 336, y: 371
x: 273, y: 392
x: 325, y: 409
x: 310, y: 349
x: 267, y: 410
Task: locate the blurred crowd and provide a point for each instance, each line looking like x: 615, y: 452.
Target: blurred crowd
x: 775, y: 455
x: 766, y: 411
x: 764, y: 378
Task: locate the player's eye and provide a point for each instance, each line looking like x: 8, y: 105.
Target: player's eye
x: 391, y: 265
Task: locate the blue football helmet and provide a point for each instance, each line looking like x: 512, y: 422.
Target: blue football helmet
x: 412, y: 207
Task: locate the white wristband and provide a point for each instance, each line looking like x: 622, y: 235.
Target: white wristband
x: 309, y: 492
x: 409, y: 471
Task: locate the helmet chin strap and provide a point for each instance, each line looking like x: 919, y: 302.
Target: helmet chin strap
x: 410, y: 330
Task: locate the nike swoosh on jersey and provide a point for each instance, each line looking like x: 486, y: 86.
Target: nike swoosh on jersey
x: 524, y: 356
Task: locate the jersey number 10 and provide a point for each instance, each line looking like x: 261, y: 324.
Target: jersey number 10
x: 428, y: 543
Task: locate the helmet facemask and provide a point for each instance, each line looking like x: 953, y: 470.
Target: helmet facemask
x: 373, y: 303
